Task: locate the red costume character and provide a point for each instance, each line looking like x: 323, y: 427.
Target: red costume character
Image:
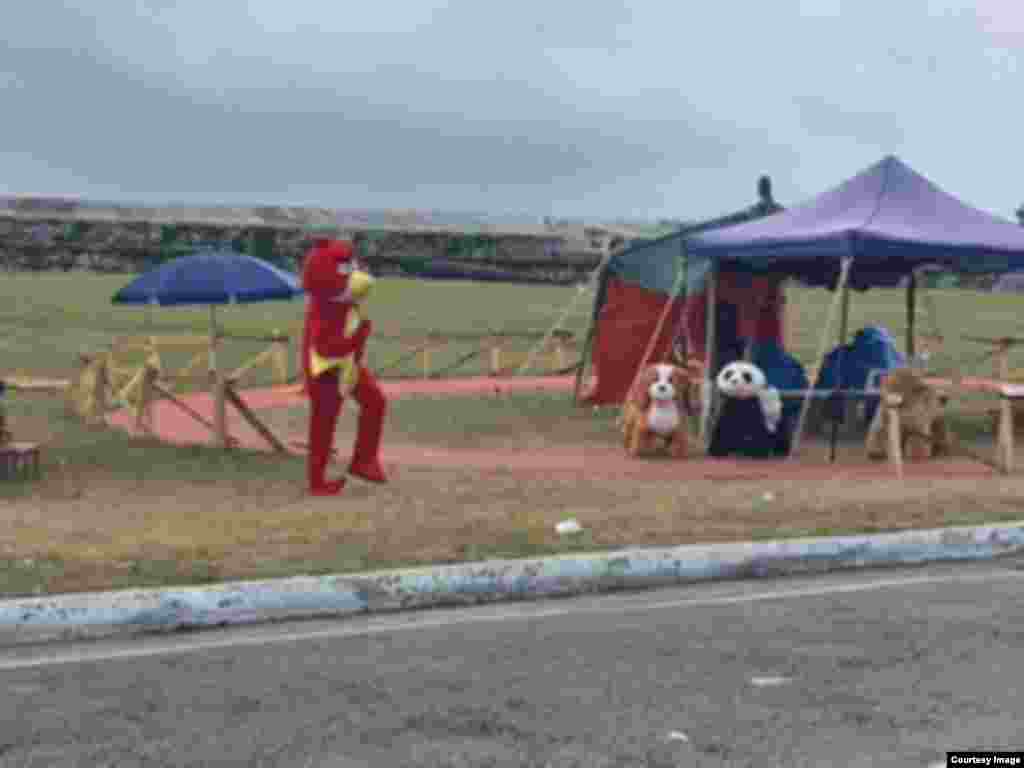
x: 333, y: 345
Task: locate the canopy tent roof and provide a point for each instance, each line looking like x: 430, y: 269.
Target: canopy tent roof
x: 654, y: 264
x: 888, y: 218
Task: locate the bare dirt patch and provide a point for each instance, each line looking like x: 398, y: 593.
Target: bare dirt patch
x: 121, y: 533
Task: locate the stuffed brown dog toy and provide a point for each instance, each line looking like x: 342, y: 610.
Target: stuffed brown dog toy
x: 660, y: 408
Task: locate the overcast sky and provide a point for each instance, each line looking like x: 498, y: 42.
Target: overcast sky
x: 603, y: 108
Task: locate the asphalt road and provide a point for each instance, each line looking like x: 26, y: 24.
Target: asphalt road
x: 880, y: 668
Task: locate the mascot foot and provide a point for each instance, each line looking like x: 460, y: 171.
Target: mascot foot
x: 329, y: 488
x: 372, y: 472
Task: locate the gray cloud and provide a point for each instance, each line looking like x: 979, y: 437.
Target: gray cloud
x: 611, y: 108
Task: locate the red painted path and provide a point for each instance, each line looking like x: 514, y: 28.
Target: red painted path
x: 174, y: 426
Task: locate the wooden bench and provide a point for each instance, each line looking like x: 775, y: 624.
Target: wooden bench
x: 19, y: 460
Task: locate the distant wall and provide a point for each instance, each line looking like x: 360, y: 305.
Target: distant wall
x: 42, y: 236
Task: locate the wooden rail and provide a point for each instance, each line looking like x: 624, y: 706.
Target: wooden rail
x: 128, y: 378
x: 558, y: 353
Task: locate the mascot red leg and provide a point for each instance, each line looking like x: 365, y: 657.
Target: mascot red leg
x: 372, y: 407
x: 324, y: 407
x: 334, y: 342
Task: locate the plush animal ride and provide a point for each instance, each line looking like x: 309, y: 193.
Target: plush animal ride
x: 659, y: 410
x: 333, y: 344
x: 923, y: 430
x: 748, y: 423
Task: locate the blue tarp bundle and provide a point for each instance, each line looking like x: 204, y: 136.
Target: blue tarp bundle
x: 849, y: 366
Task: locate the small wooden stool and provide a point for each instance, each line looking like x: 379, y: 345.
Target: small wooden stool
x: 19, y: 460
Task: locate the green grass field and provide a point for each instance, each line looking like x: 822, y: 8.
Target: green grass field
x: 47, y: 319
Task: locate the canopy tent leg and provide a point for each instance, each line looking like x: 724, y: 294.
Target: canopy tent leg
x: 710, y: 314
x: 822, y: 346
x: 911, y: 315
x: 844, y: 318
x: 680, y: 332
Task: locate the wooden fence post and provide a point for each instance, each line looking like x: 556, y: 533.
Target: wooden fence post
x: 892, y: 404
x: 494, y: 344
x: 153, y: 358
x: 563, y: 340
x: 280, y: 357
x: 433, y: 342
x: 147, y: 394
x: 220, y: 416
x: 1004, y: 435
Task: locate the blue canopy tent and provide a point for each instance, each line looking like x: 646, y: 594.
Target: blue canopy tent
x: 872, y: 230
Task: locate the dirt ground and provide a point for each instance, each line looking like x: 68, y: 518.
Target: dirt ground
x: 457, y: 494
x: 118, y: 533
x: 266, y: 526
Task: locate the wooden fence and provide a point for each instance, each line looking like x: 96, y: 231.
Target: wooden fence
x: 126, y: 379
x: 106, y: 379
x: 548, y: 354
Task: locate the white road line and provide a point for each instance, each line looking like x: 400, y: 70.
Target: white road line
x: 180, y: 647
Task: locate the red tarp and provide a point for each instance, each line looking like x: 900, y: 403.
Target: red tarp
x: 627, y: 322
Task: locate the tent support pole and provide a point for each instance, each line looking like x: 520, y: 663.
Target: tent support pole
x: 820, y: 364
x: 911, y: 314
x: 844, y: 318
x: 710, y: 315
x: 679, y: 332
x: 598, y: 279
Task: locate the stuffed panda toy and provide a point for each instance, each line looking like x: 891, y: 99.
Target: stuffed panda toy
x: 750, y: 417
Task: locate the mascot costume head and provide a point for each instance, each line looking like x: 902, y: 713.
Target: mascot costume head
x: 748, y: 423
x: 333, y: 347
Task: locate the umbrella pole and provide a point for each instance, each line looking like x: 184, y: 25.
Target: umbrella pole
x: 220, y: 420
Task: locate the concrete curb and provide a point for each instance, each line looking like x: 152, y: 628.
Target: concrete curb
x: 141, y: 611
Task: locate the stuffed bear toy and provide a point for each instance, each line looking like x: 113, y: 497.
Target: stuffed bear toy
x: 749, y: 421
x: 923, y: 431
x: 333, y: 346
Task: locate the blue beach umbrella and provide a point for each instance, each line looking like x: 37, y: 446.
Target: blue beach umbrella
x: 209, y: 277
